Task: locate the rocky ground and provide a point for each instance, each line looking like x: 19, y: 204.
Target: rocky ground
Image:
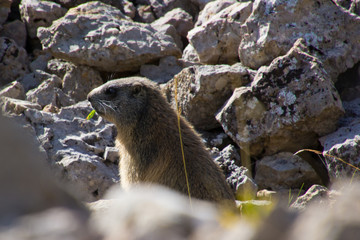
x: 260, y: 80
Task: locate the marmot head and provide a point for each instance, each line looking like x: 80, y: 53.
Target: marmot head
x: 122, y: 101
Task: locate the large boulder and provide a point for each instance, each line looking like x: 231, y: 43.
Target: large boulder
x: 331, y: 32
x: 75, y: 147
x: 31, y: 196
x: 287, y: 107
x: 284, y: 171
x: 36, y: 13
x: 26, y: 183
x: 181, y: 20
x: 211, y: 9
x: 217, y: 40
x: 98, y: 35
x: 203, y: 89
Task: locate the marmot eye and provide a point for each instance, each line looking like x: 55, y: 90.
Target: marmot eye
x: 110, y: 91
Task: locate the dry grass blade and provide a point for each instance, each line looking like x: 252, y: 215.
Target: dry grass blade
x: 178, y: 111
x: 327, y: 155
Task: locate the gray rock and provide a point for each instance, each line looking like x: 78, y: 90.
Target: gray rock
x: 216, y: 139
x: 13, y: 90
x: 190, y: 55
x: 151, y: 212
x: 326, y: 217
x: 181, y: 20
x: 127, y: 8
x: 77, y: 81
x: 144, y: 14
x: 228, y: 155
x: 343, y: 144
x: 155, y: 212
x: 284, y: 171
x: 273, y: 27
x: 239, y: 178
x: 15, y: 30
x: 75, y: 147
x: 111, y: 154
x: 344, y: 3
x: 288, y: 105
x: 14, y: 61
x: 119, y: 4
x: 170, y: 31
x: 352, y: 112
x: 16, y: 106
x: 36, y: 13
x: 102, y: 37
x: 333, y: 219
x: 212, y: 8
x: 49, y: 92
x: 218, y: 39
x: 41, y: 62
x: 202, y: 90
x: 161, y: 7
x: 26, y: 183
x: 58, y: 67
x: 352, y: 5
x: 168, y: 67
x: 69, y: 225
x: 316, y: 193
x: 34, y: 79
x: 355, y: 7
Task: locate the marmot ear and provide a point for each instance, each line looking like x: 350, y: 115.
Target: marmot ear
x: 136, y: 89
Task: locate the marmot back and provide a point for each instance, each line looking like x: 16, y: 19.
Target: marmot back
x: 149, y: 142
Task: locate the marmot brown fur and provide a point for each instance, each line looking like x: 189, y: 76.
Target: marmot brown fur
x: 149, y: 142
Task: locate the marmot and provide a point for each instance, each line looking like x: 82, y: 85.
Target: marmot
x: 149, y: 143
